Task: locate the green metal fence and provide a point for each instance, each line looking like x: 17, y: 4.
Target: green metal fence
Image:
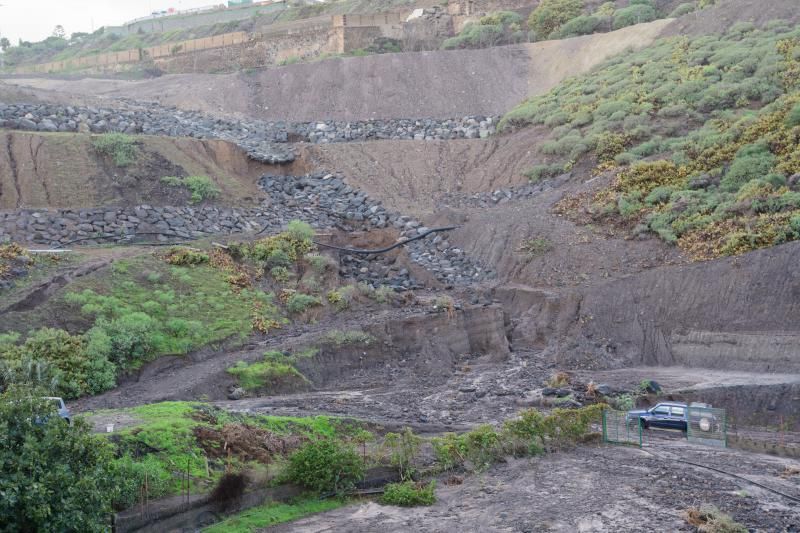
x: 618, y: 428
x: 706, y: 425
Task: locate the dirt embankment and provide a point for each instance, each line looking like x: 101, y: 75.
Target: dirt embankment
x: 738, y: 313
x: 64, y: 170
x: 438, y: 84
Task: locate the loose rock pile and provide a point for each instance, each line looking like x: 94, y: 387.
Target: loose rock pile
x: 264, y: 141
x: 323, y: 200
x: 496, y: 197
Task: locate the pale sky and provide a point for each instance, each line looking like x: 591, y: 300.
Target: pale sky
x: 34, y: 20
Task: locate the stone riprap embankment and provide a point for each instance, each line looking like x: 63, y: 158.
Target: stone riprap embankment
x: 319, y: 195
x: 264, y: 141
x: 323, y: 200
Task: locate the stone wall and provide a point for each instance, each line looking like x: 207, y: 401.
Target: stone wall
x: 267, y: 142
x: 60, y: 227
x: 255, y: 53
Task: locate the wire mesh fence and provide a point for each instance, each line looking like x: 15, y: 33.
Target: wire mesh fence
x: 620, y: 428
x: 707, y: 425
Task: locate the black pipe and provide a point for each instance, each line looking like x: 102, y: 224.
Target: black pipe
x: 388, y: 248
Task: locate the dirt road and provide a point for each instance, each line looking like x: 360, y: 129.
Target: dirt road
x: 591, y: 489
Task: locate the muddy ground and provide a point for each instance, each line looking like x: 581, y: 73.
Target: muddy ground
x: 592, y: 488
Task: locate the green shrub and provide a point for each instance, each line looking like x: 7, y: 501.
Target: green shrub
x: 181, y: 256
x: 752, y: 161
x: 53, y: 476
x: 120, y: 147
x: 634, y: 14
x: 131, y: 474
x: 67, y: 365
x: 299, y: 230
x: 793, y: 117
x: 299, y: 302
x: 326, y: 466
x: 543, y: 172
x: 549, y: 15
x: 403, y: 448
x: 270, y: 374
x: 683, y: 9
x: 409, y: 494
x: 200, y: 187
x: 341, y: 338
x: 483, y: 446
x: 320, y: 264
x: 501, y: 27
x: 280, y: 274
x: 582, y: 25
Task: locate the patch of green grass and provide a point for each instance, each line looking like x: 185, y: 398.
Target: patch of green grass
x: 119, y: 147
x: 409, y: 494
x: 266, y: 375
x: 274, y: 513
x: 201, y: 187
x: 175, y: 309
x: 162, y: 437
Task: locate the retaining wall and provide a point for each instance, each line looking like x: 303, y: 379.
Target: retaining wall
x: 195, y: 20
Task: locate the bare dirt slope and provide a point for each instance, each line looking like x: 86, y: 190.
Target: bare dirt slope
x: 39, y: 170
x: 411, y: 176
x: 440, y: 84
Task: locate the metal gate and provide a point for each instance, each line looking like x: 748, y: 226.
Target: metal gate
x: 619, y: 428
x: 706, y: 425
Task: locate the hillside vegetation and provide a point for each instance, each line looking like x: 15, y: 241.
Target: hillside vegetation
x: 702, y: 137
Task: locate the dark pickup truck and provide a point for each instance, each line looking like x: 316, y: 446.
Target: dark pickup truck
x: 669, y: 415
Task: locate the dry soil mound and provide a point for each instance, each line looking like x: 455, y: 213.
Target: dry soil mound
x: 63, y: 170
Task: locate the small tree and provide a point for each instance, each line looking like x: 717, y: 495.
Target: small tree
x: 59, y: 32
x: 53, y: 477
x: 5, y: 44
x: 551, y: 14
x: 326, y: 465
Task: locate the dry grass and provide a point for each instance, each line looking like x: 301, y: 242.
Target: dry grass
x: 591, y: 390
x: 559, y: 379
x: 709, y: 519
x: 789, y: 471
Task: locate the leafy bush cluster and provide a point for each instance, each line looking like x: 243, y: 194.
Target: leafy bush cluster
x: 716, y: 127
x: 340, y: 338
x: 146, y: 308
x: 283, y: 249
x: 119, y: 147
x: 326, y: 466
x: 531, y: 433
x: 409, y: 494
x: 277, y: 370
x: 65, y: 365
x: 200, y: 187
x: 53, y: 476
x: 299, y: 302
x: 502, y: 27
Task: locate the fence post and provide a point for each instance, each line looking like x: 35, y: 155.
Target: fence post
x: 605, y: 426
